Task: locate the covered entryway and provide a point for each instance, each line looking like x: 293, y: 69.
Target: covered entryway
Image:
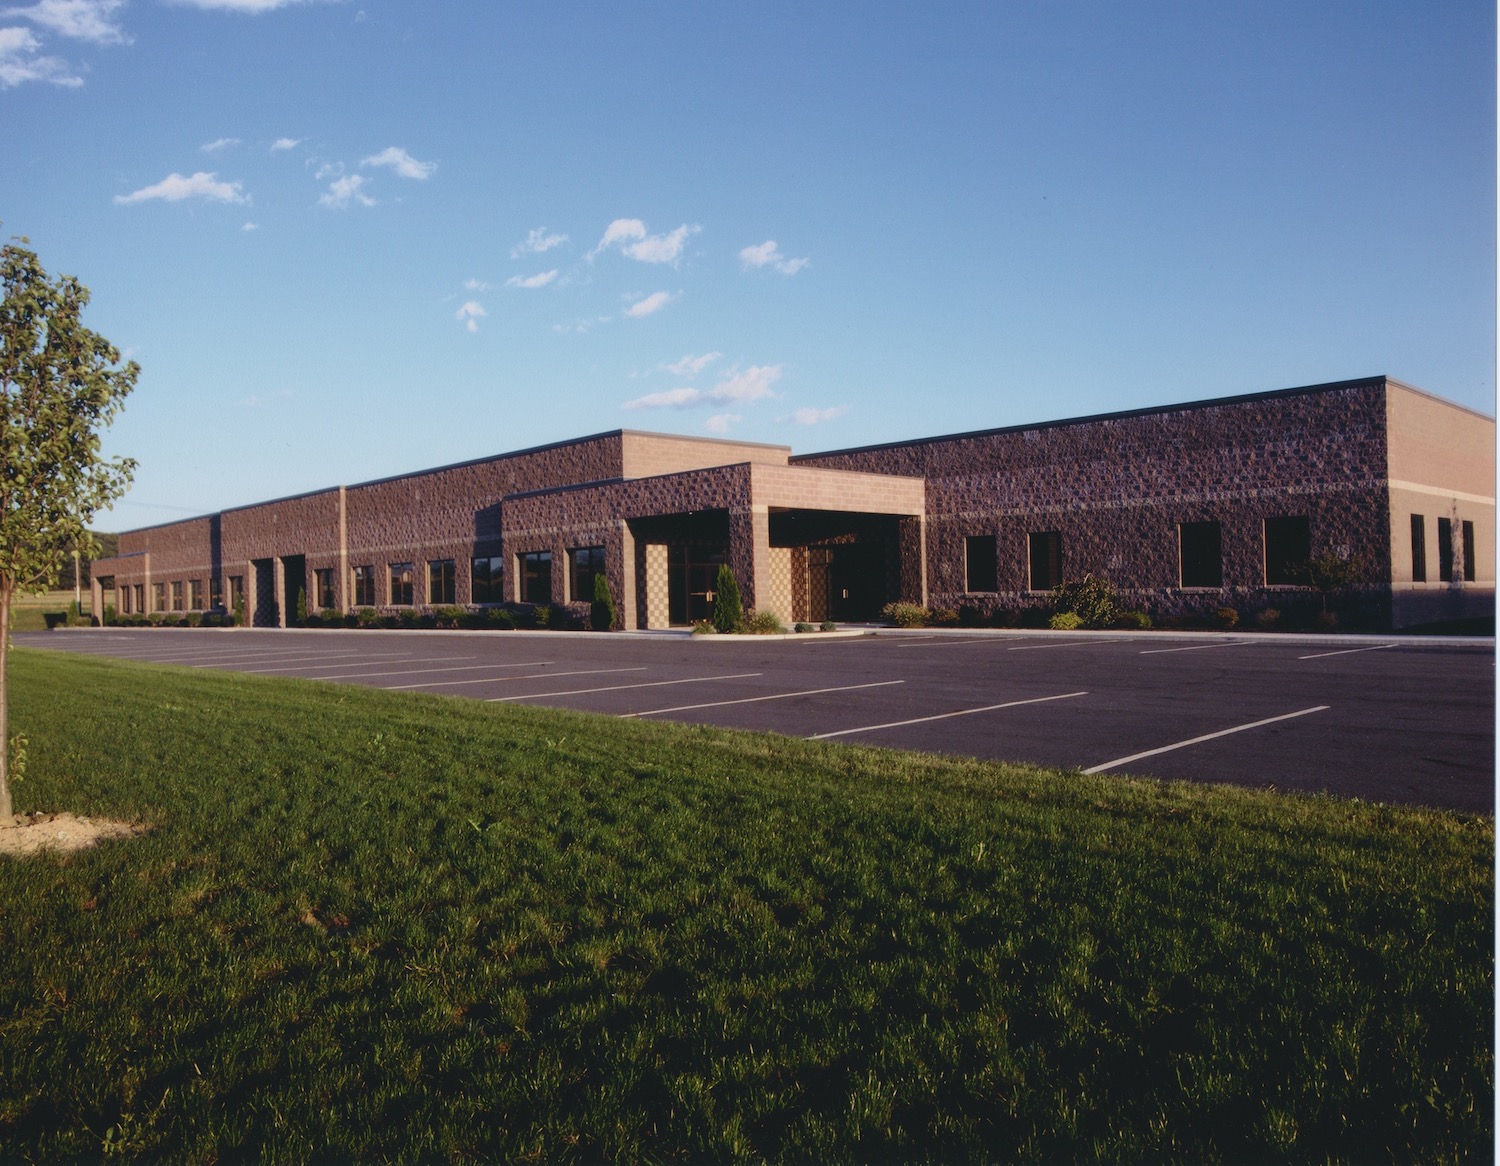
x: 692, y: 579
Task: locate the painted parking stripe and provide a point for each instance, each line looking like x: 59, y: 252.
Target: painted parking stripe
x: 622, y: 687
x: 509, y: 679
x: 989, y: 708
x: 1345, y: 652
x: 1060, y: 644
x: 1195, y: 647
x: 1205, y: 737
x: 935, y: 641
x: 419, y: 671
x: 362, y: 662
x: 317, y: 661
x: 713, y: 704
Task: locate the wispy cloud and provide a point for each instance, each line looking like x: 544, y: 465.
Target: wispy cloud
x: 251, y: 6
x: 720, y: 422
x: 632, y: 239
x: 767, y: 254
x: 87, y: 20
x: 689, y: 366
x: 249, y: 226
x: 540, y: 280
x: 285, y: 144
x: 649, y: 306
x: 470, y: 314
x: 536, y: 242
x: 218, y: 144
x: 341, y: 191
x: 477, y: 285
x: 176, y: 188
x: 814, y: 416
x: 751, y: 384
x: 20, y: 62
x: 402, y: 163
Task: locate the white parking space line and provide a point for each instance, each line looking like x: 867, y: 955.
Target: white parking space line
x: 419, y: 671
x: 508, y: 679
x: 363, y: 662
x: 989, y: 708
x: 935, y: 642
x: 318, y: 661
x: 1067, y: 644
x: 1205, y: 737
x: 1345, y: 652
x: 1195, y: 648
x: 622, y: 687
x: 682, y: 708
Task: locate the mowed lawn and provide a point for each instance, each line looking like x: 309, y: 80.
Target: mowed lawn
x: 371, y: 926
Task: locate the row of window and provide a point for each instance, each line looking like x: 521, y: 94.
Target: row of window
x: 1465, y: 552
x: 1200, y: 555
x: 486, y: 580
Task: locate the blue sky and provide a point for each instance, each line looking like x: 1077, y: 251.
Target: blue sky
x: 347, y: 240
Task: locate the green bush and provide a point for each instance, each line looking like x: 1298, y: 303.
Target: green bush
x: 409, y: 618
x: 367, y: 617
x: 802, y: 627
x: 828, y: 626
x: 905, y: 615
x: 193, y: 619
x: 943, y: 617
x: 705, y: 627
x: 763, y: 623
x: 500, y: 619
x: 111, y: 615
x: 541, y: 616
x: 239, y: 611
x: 602, y: 615
x: 729, y: 610
x: 1065, y: 621
x: 1227, y: 617
x: 1268, y: 618
x: 1133, y: 619
x: 1091, y: 599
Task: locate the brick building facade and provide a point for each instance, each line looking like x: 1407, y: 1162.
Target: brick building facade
x: 1183, y: 508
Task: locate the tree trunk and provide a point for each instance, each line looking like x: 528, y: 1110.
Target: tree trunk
x: 7, y: 590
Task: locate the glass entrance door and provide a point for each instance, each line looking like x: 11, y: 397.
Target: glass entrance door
x: 692, y: 575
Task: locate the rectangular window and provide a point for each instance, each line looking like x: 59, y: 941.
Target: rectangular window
x: 364, y: 586
x: 484, y: 581
x: 1045, y: 553
x: 324, y: 576
x: 158, y: 597
x: 140, y: 598
x: 583, y: 564
x: 442, y: 585
x: 1469, y: 551
x: 1418, y: 549
x: 1288, y: 547
x: 177, y: 603
x: 1445, y: 550
x: 215, y: 592
x: 236, y: 591
x: 125, y: 600
x: 402, y: 577
x: 981, y: 570
x: 195, y: 594
x: 1200, y: 547
x: 536, y: 577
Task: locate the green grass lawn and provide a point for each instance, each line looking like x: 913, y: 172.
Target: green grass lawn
x: 27, y: 613
x: 384, y: 927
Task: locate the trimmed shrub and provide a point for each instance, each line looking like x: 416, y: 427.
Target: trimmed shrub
x: 1268, y: 618
x: 193, y: 619
x: 367, y: 617
x: 1227, y: 617
x: 905, y: 615
x: 729, y: 609
x: 1065, y: 621
x: 541, y: 615
x: 1328, y: 621
x: 942, y: 617
x: 111, y: 616
x: 763, y: 623
x: 499, y: 619
x: 828, y: 626
x: 800, y: 628
x: 602, y: 616
x: 1133, y: 619
x: 705, y: 627
x: 1091, y: 599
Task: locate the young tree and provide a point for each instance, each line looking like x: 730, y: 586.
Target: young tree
x: 1328, y: 572
x: 60, y: 384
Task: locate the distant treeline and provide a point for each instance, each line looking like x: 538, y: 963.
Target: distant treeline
x: 109, y: 544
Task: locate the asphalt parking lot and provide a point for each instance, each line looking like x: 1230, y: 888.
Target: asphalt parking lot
x: 1397, y: 719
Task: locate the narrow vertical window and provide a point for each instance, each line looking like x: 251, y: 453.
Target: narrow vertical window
x: 485, y: 580
x: 536, y: 577
x: 441, y: 584
x: 402, y: 578
x: 325, y: 587
x: 1045, y: 552
x: 981, y: 564
x: 177, y: 602
x: 1200, y: 548
x: 195, y: 594
x: 1418, y: 549
x: 1468, y: 551
x: 364, y: 586
x: 1288, y: 547
x: 1445, y: 549
x: 584, y: 563
x: 158, y: 597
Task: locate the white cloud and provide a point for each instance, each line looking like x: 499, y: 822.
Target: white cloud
x: 90, y: 20
x: 249, y: 226
x: 218, y: 144
x: 753, y: 384
x: 720, y: 422
x: 20, y: 63
x: 402, y: 163
x: 175, y: 188
x: 630, y: 236
x: 541, y: 280
x: 251, y: 6
x: 471, y: 313
x: 536, y: 242
x: 342, y: 190
x: 690, y: 366
x: 814, y: 416
x: 767, y: 254
x: 285, y: 144
x: 653, y: 303
x: 477, y: 285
